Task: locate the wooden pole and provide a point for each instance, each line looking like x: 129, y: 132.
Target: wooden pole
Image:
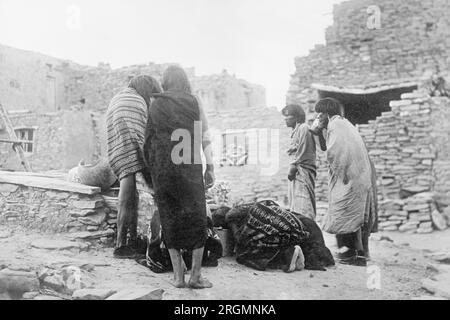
x: 13, y: 141
x: 12, y: 135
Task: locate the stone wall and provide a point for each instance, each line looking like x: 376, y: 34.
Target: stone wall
x: 400, y: 146
x: 53, y: 211
x: 440, y: 137
x: 413, y: 40
x: 409, y: 147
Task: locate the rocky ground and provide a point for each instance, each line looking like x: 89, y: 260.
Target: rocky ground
x: 403, y: 266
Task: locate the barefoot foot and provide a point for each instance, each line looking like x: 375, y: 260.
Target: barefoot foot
x: 201, y: 283
x: 178, y: 283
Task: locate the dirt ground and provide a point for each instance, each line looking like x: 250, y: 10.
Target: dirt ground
x: 395, y: 271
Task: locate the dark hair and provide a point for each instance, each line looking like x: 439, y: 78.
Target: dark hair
x: 296, y: 111
x: 145, y: 86
x: 175, y: 78
x: 329, y: 106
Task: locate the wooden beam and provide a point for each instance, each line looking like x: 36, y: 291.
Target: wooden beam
x: 12, y: 135
x: 362, y: 91
x: 48, y: 183
x: 14, y: 141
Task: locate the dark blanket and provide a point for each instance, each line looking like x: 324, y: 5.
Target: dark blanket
x: 264, y: 231
x: 157, y: 255
x: 178, y: 186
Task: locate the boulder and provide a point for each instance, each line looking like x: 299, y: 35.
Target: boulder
x: 447, y: 215
x: 54, y: 282
x: 137, y: 294
x: 88, y: 204
x: 82, y: 213
x: 428, y: 298
x: 92, y: 294
x: 86, y: 235
x: 442, y: 257
x: 18, y: 281
x: 47, y: 297
x: 30, y: 295
x: 438, y: 220
x: 440, y: 286
x: 57, y: 244
x: 66, y: 280
x: 6, y: 188
x: 93, y: 220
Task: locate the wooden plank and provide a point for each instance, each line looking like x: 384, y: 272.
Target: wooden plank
x: 61, y: 176
x: 47, y: 183
x: 12, y: 135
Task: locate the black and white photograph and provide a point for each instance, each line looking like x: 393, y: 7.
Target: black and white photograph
x: 236, y: 152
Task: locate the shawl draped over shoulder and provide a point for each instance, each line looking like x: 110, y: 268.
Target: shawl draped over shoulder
x: 176, y: 173
x: 352, y: 189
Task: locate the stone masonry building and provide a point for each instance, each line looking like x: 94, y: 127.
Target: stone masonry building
x: 378, y: 60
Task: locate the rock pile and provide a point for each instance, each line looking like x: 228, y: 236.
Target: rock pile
x: 416, y: 214
x: 399, y: 145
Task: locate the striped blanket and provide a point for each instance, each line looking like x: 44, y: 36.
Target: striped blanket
x: 126, y: 121
x: 265, y: 230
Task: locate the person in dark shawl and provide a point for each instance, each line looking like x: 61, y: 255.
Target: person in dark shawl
x: 176, y: 134
x: 126, y: 120
x: 352, y: 212
x: 268, y: 236
x: 302, y: 170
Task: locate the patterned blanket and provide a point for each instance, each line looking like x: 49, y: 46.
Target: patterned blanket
x: 126, y: 121
x: 266, y: 230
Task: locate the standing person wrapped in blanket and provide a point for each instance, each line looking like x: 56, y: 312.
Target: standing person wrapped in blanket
x: 126, y: 120
x: 176, y: 134
x: 352, y: 212
x: 302, y: 170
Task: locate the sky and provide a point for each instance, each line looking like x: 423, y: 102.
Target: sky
x: 256, y: 40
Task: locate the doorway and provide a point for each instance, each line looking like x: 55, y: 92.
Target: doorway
x: 361, y: 107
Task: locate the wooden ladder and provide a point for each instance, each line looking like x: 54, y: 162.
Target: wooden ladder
x: 17, y: 145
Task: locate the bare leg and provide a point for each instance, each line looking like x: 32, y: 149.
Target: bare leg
x: 365, y: 242
x: 196, y: 281
x: 126, y: 208
x: 178, y: 268
x: 358, y: 241
x: 132, y: 227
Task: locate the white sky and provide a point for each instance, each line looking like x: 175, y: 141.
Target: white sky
x: 256, y: 40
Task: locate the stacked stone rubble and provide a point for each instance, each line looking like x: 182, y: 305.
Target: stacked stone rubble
x: 411, y: 215
x: 399, y: 144
x: 54, y: 211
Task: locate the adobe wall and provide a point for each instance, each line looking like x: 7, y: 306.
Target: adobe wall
x: 61, y: 140
x: 26, y: 83
x: 25, y: 80
x: 267, y: 177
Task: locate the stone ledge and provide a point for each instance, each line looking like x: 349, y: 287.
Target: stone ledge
x: 45, y: 182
